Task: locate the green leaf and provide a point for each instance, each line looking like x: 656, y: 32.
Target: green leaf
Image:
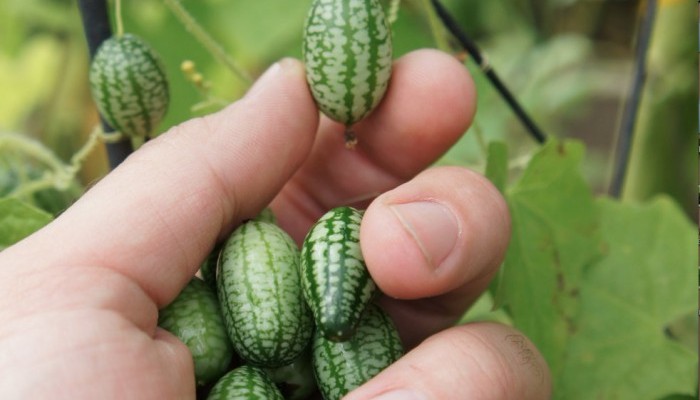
x: 554, y: 237
x: 19, y: 220
x: 621, y: 348
x: 497, y: 164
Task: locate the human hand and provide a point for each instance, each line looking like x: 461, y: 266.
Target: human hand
x: 79, y: 299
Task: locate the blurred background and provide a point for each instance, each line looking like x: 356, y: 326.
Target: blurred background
x: 569, y: 62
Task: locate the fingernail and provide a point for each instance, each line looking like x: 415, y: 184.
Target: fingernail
x: 286, y: 65
x: 400, y: 394
x: 433, y: 226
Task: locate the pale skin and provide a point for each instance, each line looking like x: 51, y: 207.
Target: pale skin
x: 79, y: 299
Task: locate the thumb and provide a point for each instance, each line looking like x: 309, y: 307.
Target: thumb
x: 482, y: 360
x: 154, y: 218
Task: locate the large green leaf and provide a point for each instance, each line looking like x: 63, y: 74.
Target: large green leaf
x: 621, y: 348
x: 555, y: 236
x: 19, y: 220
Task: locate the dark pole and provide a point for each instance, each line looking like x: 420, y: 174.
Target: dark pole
x: 97, y: 28
x: 629, y: 116
x: 473, y: 50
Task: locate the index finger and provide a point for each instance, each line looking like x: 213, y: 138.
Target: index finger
x: 155, y: 217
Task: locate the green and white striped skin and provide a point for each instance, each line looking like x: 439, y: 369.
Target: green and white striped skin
x: 266, y: 215
x: 337, y: 286
x: 348, y: 54
x: 195, y: 318
x: 260, y: 293
x: 245, y: 383
x: 129, y: 85
x: 296, y: 380
x: 340, y: 367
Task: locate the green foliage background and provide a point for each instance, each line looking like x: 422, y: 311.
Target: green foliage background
x: 604, y: 287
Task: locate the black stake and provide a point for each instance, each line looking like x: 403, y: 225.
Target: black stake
x: 97, y: 29
x: 478, y: 57
x: 629, y: 117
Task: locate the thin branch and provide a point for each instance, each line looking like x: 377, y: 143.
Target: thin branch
x: 629, y: 117
x: 473, y: 50
x: 206, y: 40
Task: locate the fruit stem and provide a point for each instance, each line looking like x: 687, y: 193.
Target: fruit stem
x: 118, y: 17
x: 350, y: 139
x: 206, y: 40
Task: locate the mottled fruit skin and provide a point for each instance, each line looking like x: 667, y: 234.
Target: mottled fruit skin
x: 195, y: 318
x: 340, y: 367
x: 245, y: 383
x: 129, y: 85
x: 337, y: 285
x: 260, y: 293
x: 347, y: 51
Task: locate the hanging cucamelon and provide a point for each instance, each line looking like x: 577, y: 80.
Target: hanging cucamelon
x: 129, y: 85
x: 336, y: 283
x: 347, y: 50
x: 260, y: 293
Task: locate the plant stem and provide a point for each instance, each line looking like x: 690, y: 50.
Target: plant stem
x: 14, y: 144
x: 118, y: 17
x: 436, y: 27
x: 206, y: 40
x: 97, y: 29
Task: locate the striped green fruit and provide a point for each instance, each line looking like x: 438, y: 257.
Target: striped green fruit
x: 337, y: 286
x: 260, y: 293
x: 340, y: 367
x: 195, y: 318
x: 245, y: 383
x: 129, y: 85
x: 348, y: 54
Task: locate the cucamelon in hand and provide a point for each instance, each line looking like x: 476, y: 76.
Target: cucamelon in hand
x: 340, y: 367
x: 195, y: 318
x: 245, y: 383
x: 347, y: 51
x: 259, y: 289
x: 337, y: 286
x: 129, y: 85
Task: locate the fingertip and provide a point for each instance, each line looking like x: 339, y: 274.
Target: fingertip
x: 480, y: 361
x: 430, y: 103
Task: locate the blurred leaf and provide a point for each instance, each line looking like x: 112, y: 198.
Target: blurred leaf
x: 497, y: 165
x: 554, y: 237
x: 620, y: 349
x: 19, y: 220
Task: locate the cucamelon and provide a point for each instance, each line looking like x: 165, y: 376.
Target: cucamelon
x: 245, y: 383
x: 129, y: 85
x: 336, y: 284
x: 347, y: 51
x: 195, y: 318
x: 340, y: 367
x: 259, y: 289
